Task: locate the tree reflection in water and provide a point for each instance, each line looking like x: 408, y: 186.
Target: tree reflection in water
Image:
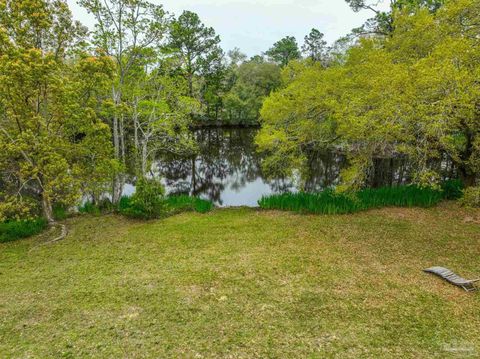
x: 227, y: 170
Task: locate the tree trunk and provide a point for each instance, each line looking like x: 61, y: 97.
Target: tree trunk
x: 190, y: 82
x: 47, y: 208
x: 122, y: 139
x: 144, y: 158
x: 135, y: 133
x: 117, y: 185
x: 467, y: 176
x: 194, y: 176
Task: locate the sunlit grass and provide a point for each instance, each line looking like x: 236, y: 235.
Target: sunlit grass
x: 242, y: 283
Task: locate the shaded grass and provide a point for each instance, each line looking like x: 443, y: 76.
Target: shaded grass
x: 60, y: 213
x: 241, y: 283
x: 89, y: 208
x: 104, y: 206
x: 329, y: 202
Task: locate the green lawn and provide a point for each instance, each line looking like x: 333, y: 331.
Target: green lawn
x: 241, y: 283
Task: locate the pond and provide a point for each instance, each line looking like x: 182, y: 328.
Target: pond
x: 227, y: 170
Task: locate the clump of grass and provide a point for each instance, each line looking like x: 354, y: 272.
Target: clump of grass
x: 184, y: 203
x: 60, y: 213
x: 326, y: 202
x: 329, y: 202
x: 13, y: 230
x: 89, y: 208
x: 103, y: 206
x: 452, y: 189
x: 402, y: 196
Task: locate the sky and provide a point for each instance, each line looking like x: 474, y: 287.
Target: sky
x: 255, y: 25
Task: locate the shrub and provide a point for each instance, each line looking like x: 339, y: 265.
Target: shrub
x: 124, y: 204
x: 147, y: 202
x: 452, y: 189
x: 60, y: 213
x: 330, y: 202
x: 104, y: 206
x: 13, y: 230
x: 203, y: 206
x: 471, y: 197
x: 183, y: 203
x: 89, y: 208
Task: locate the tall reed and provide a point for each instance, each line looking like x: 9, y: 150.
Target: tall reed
x: 329, y: 202
x: 181, y: 203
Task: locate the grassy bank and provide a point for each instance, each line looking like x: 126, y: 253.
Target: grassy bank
x: 241, y: 283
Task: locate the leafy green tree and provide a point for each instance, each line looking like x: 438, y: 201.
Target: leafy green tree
x: 236, y: 57
x: 42, y: 24
x: 254, y: 82
x: 298, y: 118
x: 414, y: 94
x: 195, y: 45
x: 257, y: 59
x: 422, y: 94
x: 161, y: 114
x: 382, y: 22
x: 213, y: 88
x: 284, y: 51
x: 124, y: 30
x: 50, y: 133
x: 315, y: 47
x: 93, y: 79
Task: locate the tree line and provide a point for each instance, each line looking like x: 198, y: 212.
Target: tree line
x: 406, y: 87
x: 81, y: 109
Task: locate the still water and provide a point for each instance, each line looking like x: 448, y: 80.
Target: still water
x: 227, y: 170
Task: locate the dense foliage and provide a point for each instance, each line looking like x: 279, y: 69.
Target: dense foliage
x: 148, y: 201
x: 80, y: 112
x: 471, y: 197
x: 13, y: 230
x: 53, y: 142
x: 413, y: 93
x: 254, y: 81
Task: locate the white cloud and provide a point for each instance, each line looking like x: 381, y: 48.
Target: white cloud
x: 254, y: 25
